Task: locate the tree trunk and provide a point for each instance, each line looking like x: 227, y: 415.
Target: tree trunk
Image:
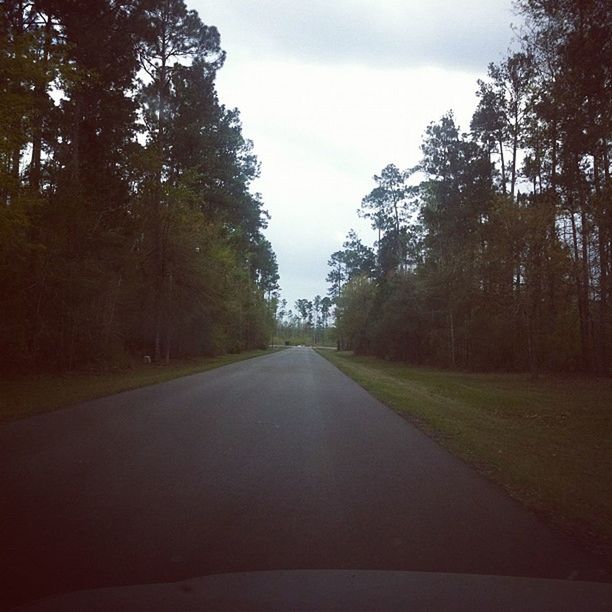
x: 586, y: 285
x: 503, y: 164
x: 514, y: 149
x: 553, y: 157
x: 579, y: 295
x: 451, y: 327
x: 159, y: 267
x: 169, y: 318
x: 40, y: 96
x: 76, y: 137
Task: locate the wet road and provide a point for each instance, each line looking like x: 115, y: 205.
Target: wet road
x: 279, y: 462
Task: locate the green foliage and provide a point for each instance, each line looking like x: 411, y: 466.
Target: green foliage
x: 353, y: 310
x: 309, y: 325
x: 127, y: 222
x: 355, y: 259
x: 507, y: 265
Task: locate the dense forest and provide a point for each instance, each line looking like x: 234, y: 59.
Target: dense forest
x: 128, y: 225
x: 495, y: 251
x: 309, y: 323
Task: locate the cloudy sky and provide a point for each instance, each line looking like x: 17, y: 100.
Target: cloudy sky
x: 331, y: 91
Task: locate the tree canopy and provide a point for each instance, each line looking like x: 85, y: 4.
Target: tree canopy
x: 510, y: 228
x: 128, y: 223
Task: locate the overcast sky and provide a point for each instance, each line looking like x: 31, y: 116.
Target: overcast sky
x: 331, y: 91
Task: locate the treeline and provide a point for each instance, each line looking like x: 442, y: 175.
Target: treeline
x: 127, y: 221
x: 308, y: 323
x: 495, y: 252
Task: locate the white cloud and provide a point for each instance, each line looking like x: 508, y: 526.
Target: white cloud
x: 331, y: 92
x: 457, y: 33
x: 321, y: 132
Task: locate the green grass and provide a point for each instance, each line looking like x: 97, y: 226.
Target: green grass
x: 23, y: 396
x: 548, y: 442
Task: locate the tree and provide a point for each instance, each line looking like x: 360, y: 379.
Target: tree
x: 337, y: 275
x: 316, y: 310
x: 488, y: 124
x: 388, y: 206
x: 355, y: 259
x: 127, y: 216
x: 509, y: 265
x: 84, y: 225
x: 325, y: 306
x: 174, y: 35
x: 354, y: 309
x: 359, y: 259
x: 264, y: 268
x: 303, y: 308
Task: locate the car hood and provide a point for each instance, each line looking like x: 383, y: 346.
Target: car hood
x: 339, y: 590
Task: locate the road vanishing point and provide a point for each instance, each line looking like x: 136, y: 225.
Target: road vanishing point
x: 275, y: 463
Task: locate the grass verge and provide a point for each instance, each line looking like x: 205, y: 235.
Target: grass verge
x: 23, y: 396
x: 548, y: 442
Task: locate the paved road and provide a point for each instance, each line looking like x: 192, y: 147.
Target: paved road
x: 279, y: 462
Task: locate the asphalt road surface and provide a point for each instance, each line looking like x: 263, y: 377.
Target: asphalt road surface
x: 279, y: 462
